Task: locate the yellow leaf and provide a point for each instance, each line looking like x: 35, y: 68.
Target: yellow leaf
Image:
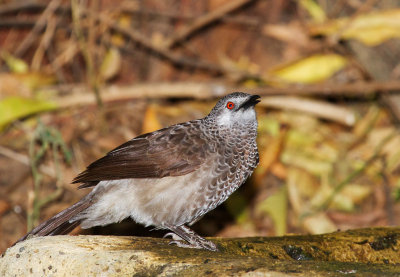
x: 16, y: 65
x: 268, y: 125
x: 319, y: 224
x: 315, y: 11
x: 301, y: 185
x: 310, y: 164
x: 111, y: 64
x: 312, y: 69
x: 158, y: 39
x: 23, y: 84
x: 342, y: 203
x: 33, y: 80
x: 357, y: 193
x: 151, y: 122
x: 243, y: 63
x: 13, y: 108
x: 371, y: 29
x: 276, y: 207
x: 269, y: 154
x: 124, y: 21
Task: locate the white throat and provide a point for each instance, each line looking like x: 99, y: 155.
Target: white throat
x: 245, y: 117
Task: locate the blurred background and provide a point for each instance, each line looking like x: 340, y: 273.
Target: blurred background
x: 78, y: 78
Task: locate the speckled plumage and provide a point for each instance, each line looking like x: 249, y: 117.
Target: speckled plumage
x: 170, y: 177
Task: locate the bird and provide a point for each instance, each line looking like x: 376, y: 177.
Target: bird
x: 168, y: 178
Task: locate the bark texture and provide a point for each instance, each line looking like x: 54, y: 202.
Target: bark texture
x: 362, y: 252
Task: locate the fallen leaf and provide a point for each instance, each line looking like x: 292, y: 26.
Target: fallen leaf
x: 292, y: 33
x: 150, y: 121
x: 34, y: 80
x: 315, y: 11
x: 111, y: 64
x: 371, y: 29
x: 124, y: 21
x: 356, y: 193
x: 13, y: 108
x: 319, y: 224
x: 312, y: 69
x: 276, y: 207
x: 14, y: 64
x: 4, y: 207
x: 269, y: 155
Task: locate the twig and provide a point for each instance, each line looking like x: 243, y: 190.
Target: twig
x: 40, y: 24
x: 28, y: 23
x: 387, y: 192
x: 162, y: 51
x: 44, y: 43
x: 377, y: 154
x: 361, y: 89
x: 318, y: 108
x: 16, y: 23
x: 392, y: 102
x: 85, y: 46
x: 66, y: 55
x: 127, y: 7
x: 78, y: 95
x: 170, y: 56
x: 16, y: 6
x: 23, y: 159
x: 204, y: 21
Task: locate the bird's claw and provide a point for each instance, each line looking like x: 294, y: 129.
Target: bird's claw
x: 172, y: 236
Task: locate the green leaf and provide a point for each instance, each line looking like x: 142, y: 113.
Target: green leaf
x: 13, y: 108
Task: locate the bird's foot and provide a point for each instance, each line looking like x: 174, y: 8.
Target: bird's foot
x: 205, y: 244
x: 184, y: 237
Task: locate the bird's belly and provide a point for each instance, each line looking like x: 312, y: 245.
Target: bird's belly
x: 158, y: 201
x: 169, y: 200
x: 164, y: 201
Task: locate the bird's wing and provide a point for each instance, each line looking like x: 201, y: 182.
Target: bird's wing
x: 172, y: 151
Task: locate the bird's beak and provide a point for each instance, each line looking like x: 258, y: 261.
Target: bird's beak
x: 251, y: 102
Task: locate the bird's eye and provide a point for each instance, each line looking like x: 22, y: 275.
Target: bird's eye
x: 230, y: 105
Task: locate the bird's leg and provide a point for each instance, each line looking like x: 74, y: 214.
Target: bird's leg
x: 183, y: 233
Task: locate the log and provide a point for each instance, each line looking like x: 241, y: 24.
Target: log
x: 361, y: 252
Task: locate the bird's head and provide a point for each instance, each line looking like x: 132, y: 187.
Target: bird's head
x: 235, y: 109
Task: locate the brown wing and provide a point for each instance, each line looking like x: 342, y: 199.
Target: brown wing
x: 173, y: 151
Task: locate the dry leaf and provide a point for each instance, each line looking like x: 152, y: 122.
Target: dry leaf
x: 371, y: 29
x: 312, y: 69
x: 111, y: 64
x: 13, y: 108
x: 315, y: 11
x: 319, y: 224
x: 150, y: 121
x: 16, y: 65
x: 276, y: 207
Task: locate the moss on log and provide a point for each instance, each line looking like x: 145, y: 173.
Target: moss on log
x: 362, y: 252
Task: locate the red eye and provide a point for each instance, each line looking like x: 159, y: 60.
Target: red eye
x: 230, y: 105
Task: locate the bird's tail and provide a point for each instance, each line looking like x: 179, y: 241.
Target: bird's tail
x: 61, y: 223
